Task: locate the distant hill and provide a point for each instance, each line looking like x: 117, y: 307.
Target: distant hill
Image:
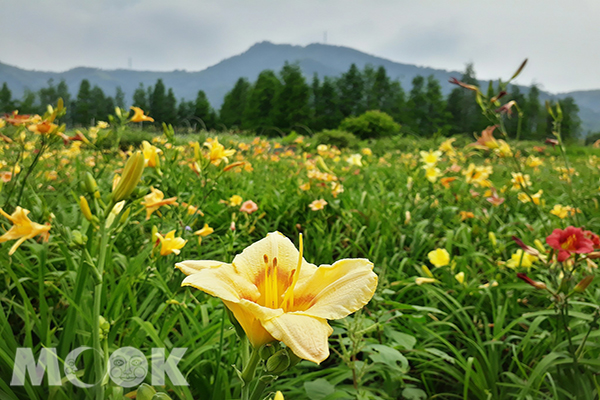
x: 325, y: 60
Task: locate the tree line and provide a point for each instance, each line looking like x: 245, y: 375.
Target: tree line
x: 277, y: 103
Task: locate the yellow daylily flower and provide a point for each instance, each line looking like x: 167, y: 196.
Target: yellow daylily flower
x: 275, y: 294
x: 205, y: 231
x: 217, y: 151
x: 439, y: 257
x: 460, y: 277
x: 138, y: 115
x: 430, y: 157
x: 23, y: 228
x: 526, y: 260
x: 170, y: 243
x: 278, y: 396
x: 235, y: 200
x: 151, y: 154
x: 154, y: 200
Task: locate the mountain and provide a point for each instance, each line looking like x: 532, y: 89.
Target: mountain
x: 325, y: 60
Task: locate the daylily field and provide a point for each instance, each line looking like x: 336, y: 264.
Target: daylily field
x: 431, y: 269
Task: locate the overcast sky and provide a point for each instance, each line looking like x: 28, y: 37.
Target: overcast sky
x: 560, y: 38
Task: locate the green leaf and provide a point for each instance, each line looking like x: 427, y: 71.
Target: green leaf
x: 318, y: 389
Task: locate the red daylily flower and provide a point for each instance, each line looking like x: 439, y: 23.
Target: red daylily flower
x: 571, y: 240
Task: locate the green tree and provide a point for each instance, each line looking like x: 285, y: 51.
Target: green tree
x: 260, y: 109
x: 351, y: 89
x: 83, y: 106
x: 170, y: 108
x: 6, y: 102
x: 119, y: 98
x: 292, y: 100
x: 465, y: 114
x: 417, y: 107
x: 234, y: 104
x: 439, y: 118
x: 534, y: 123
x: 571, y: 123
x: 27, y: 104
x: 185, y: 111
x: 140, y: 99
x: 327, y: 114
x: 397, y: 105
x: 159, y: 107
x: 203, y: 111
x: 47, y: 95
x: 381, y: 95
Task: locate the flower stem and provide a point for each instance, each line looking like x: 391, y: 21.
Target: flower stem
x: 97, y: 345
x: 248, y: 375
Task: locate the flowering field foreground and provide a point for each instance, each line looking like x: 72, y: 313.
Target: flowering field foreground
x: 445, y: 272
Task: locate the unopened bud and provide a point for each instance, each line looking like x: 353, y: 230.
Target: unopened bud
x: 278, y: 362
x: 235, y: 164
x: 528, y: 280
x: 267, y: 351
x: 583, y: 284
x: 90, y: 183
x: 131, y: 176
x: 145, y: 392
x: 125, y: 215
x: 85, y: 208
x: 493, y: 239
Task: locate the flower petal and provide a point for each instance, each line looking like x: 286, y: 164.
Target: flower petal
x: 248, y: 314
x: 335, y: 291
x: 306, y: 336
x: 251, y: 261
x: 223, y: 282
x: 189, y: 267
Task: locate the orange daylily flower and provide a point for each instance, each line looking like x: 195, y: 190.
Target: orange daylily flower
x: 486, y: 141
x: 43, y: 128
x: 23, y: 228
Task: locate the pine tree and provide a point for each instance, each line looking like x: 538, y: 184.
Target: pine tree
x: 170, y: 116
x: 327, y: 109
x: 439, y: 118
x: 185, y: 112
x: 292, y: 100
x: 7, y: 104
x: 461, y: 104
x: 47, y: 95
x: 27, y: 104
x: 203, y: 111
x: 100, y: 105
x: 369, y: 100
x: 260, y: 109
x: 418, y: 107
x: 570, y: 126
x: 158, y: 103
x: 119, y: 98
x: 397, y: 110
x: 351, y: 90
x: 534, y: 122
x: 234, y: 104
x: 83, y: 105
x: 381, y: 96
x: 140, y: 99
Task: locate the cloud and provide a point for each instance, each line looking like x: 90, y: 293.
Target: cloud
x: 192, y: 35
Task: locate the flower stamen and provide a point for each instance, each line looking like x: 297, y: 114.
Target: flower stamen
x: 288, y: 299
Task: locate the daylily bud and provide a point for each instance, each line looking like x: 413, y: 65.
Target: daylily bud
x: 125, y: 216
x: 583, y: 284
x: 235, y: 164
x: 85, y: 208
x: 90, y: 183
x: 104, y: 327
x: 267, y: 351
x: 145, y: 392
x: 130, y: 177
x: 278, y: 362
x: 528, y: 280
x: 154, y: 237
x: 540, y: 246
x: 493, y: 239
x: 161, y: 396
